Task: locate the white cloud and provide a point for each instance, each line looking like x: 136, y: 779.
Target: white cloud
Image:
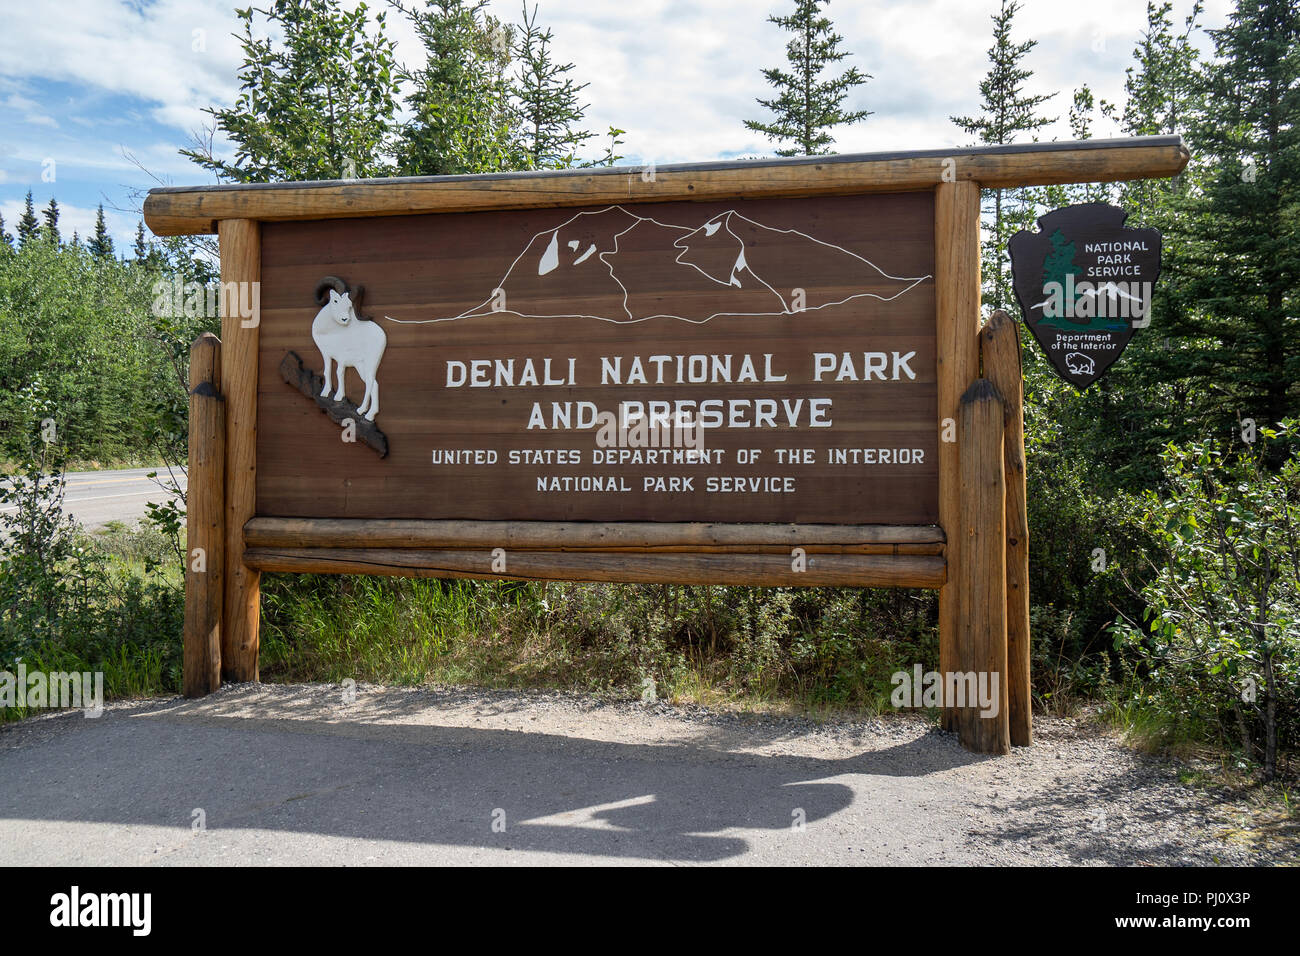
x: 29, y: 110
x: 110, y: 45
x: 679, y: 76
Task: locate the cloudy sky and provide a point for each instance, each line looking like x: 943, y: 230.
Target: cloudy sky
x: 97, y: 96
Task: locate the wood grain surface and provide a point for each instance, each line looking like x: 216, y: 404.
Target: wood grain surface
x: 187, y: 210
x: 1000, y: 349
x: 205, y: 521
x: 629, y: 536
x: 241, y: 618
x: 612, y: 283
x: 835, y: 570
x: 957, y: 259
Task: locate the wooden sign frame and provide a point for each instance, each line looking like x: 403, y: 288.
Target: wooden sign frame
x: 977, y: 555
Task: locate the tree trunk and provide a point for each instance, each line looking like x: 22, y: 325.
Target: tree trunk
x: 1270, y: 718
x: 1247, y: 743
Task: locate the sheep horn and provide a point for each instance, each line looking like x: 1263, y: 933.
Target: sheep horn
x: 358, y: 292
x: 327, y: 283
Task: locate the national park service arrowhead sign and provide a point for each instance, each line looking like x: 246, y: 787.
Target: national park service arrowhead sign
x: 1084, y: 283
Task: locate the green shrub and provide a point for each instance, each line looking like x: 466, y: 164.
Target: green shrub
x: 1218, y: 646
x: 69, y: 602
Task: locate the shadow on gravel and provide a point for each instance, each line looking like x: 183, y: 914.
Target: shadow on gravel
x: 1121, y: 822
x: 431, y: 784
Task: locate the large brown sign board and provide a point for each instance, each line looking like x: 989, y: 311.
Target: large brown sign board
x: 798, y: 335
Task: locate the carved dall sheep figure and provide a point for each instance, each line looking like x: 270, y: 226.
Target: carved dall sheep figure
x: 348, y: 341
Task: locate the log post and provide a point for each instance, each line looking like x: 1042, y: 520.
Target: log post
x: 241, y: 266
x: 983, y: 572
x: 204, y: 521
x: 957, y: 301
x: 1000, y: 345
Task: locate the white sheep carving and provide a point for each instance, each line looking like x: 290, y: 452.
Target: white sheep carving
x: 348, y: 341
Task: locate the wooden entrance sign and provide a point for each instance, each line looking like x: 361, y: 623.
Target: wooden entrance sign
x: 760, y: 372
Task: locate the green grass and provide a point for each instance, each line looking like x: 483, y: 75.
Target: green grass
x: 124, y: 623
x: 130, y: 548
x: 1146, y: 723
x: 759, y: 649
x: 723, y: 648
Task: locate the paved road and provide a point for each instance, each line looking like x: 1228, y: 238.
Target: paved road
x: 97, y: 497
x: 302, y: 775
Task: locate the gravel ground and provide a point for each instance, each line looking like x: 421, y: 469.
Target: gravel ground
x: 295, y: 774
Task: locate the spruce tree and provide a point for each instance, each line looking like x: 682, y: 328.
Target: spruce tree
x: 1058, y: 265
x: 1239, y: 271
x: 1161, y: 95
x: 1161, y: 86
x: 101, y: 243
x: 140, y: 252
x: 460, y: 99
x: 1152, y: 403
x: 317, y: 102
x: 807, y: 106
x: 1007, y: 112
x: 5, y: 239
x: 28, y: 224
x: 51, y: 216
x: 546, y: 101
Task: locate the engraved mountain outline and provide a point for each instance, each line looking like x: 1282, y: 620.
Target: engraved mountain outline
x: 717, y: 253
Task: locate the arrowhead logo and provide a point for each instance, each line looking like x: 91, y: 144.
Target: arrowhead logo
x: 1084, y: 284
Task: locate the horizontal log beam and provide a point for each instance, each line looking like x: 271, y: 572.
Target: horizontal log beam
x: 174, y: 211
x: 838, y: 570
x: 576, y: 536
